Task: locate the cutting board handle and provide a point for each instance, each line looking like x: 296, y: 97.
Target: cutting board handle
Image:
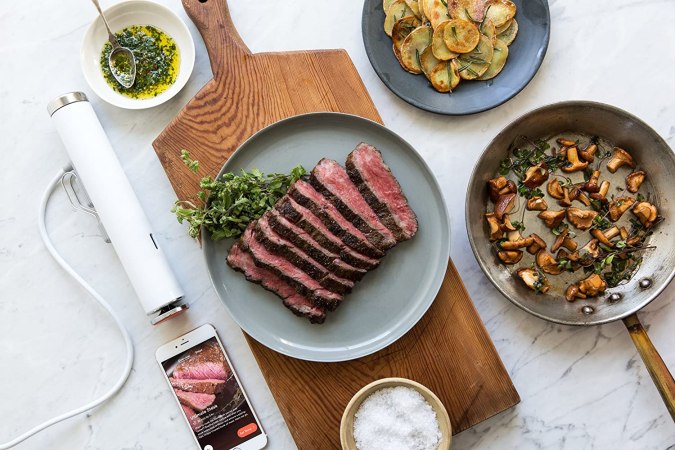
x: 225, y: 46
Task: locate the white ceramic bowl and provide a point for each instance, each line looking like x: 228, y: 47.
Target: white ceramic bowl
x: 122, y: 15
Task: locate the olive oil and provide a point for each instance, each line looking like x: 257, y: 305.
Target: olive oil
x: 157, y: 61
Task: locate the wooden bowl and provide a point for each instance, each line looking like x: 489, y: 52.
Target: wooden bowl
x: 347, y: 423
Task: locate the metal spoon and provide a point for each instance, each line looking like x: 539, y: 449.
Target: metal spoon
x: 121, y: 60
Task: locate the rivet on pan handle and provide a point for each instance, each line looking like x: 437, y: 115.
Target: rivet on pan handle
x: 655, y: 365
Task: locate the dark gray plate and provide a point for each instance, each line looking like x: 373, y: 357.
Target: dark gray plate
x: 525, y: 56
x: 389, y: 300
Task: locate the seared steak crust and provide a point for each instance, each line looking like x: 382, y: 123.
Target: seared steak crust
x: 339, y: 226
x: 317, y: 230
x: 381, y: 190
x: 303, y: 283
x: 330, y: 179
x: 279, y: 246
x: 298, y: 304
x: 306, y: 243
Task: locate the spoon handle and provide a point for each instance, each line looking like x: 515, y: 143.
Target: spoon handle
x: 111, y: 35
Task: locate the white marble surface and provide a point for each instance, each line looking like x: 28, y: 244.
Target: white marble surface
x: 581, y: 388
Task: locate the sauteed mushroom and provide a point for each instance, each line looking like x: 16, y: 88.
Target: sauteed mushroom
x: 646, y: 213
x: 510, y: 256
x: 618, y: 206
x: 634, y: 180
x: 500, y: 186
x: 552, y: 218
x: 592, y: 286
x: 535, y: 176
x: 554, y: 189
x: 590, y: 250
x: 547, y: 263
x: 575, y: 164
x: 620, y: 158
x: 588, y: 154
x: 566, y: 142
x: 605, y: 236
x: 537, y: 244
x: 581, y: 218
x: 533, y: 280
x: 572, y: 293
x: 516, y: 244
x: 537, y: 204
x: 495, y: 230
x: 591, y: 185
x: 602, y: 192
x: 504, y: 205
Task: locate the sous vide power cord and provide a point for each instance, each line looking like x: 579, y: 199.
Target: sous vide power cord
x: 125, y: 334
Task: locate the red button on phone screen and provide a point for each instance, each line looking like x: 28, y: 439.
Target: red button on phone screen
x: 247, y: 429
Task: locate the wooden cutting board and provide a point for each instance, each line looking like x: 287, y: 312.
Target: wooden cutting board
x: 449, y: 350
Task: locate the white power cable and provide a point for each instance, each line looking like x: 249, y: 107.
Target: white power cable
x: 125, y: 334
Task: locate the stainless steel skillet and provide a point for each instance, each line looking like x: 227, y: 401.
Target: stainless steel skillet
x: 623, y: 302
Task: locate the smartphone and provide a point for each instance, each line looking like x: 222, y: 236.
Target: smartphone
x: 208, y: 392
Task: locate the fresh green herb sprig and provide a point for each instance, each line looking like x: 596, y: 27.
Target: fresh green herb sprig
x: 230, y: 202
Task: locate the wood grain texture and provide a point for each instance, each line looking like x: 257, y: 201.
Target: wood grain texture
x: 449, y: 350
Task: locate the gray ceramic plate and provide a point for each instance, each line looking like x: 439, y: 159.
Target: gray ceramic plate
x: 389, y: 300
x: 525, y: 56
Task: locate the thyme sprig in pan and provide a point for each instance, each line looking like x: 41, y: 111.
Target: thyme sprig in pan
x: 227, y: 204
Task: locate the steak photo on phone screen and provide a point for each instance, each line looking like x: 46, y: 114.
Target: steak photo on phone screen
x: 210, y: 396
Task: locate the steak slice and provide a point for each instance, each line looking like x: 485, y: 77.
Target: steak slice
x: 303, y: 283
x: 195, y: 421
x: 331, y: 180
x: 303, y: 193
x: 279, y: 246
x: 205, y: 362
x: 299, y: 304
x: 381, y: 190
x: 201, y: 386
x: 304, y: 219
x: 194, y: 400
x: 303, y: 240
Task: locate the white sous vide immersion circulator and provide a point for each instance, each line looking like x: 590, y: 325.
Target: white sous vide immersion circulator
x: 118, y: 209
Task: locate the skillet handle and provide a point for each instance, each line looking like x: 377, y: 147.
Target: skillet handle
x: 661, y: 376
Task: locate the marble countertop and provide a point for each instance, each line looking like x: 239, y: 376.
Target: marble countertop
x: 581, y: 388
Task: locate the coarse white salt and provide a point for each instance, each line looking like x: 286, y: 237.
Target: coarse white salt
x: 397, y: 418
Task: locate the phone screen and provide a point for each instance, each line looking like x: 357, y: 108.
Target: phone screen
x: 210, y: 397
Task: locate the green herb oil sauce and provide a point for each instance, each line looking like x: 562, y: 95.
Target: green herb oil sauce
x: 157, y: 61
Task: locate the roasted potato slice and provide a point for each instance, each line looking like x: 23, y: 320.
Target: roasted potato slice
x: 386, y: 4
x: 487, y: 29
x: 471, y: 10
x: 445, y: 77
x: 396, y: 11
x: 414, y: 7
x: 436, y: 11
x: 438, y: 46
x: 501, y: 11
x: 503, y: 28
x: 461, y: 36
x: 428, y: 62
x: 501, y: 52
x: 413, y: 46
x: 509, y: 35
x: 474, y: 64
x: 402, y: 28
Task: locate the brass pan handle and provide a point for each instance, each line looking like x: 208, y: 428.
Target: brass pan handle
x: 661, y: 376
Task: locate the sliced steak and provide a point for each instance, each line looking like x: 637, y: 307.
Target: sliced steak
x: 201, y: 386
x: 331, y: 180
x: 299, y: 304
x: 280, y: 246
x: 284, y: 269
x: 205, y: 362
x: 194, y: 400
x: 304, y: 219
x: 195, y: 421
x: 381, y: 190
x: 303, y: 193
x: 303, y: 240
